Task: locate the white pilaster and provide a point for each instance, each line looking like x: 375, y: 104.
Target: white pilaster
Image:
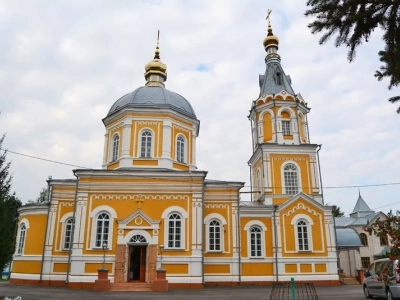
x: 105, y: 152
x: 126, y: 138
x: 166, y: 146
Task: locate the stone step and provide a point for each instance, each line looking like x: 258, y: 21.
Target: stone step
x: 350, y: 281
x: 131, y: 287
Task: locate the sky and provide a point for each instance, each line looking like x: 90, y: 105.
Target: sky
x: 64, y: 63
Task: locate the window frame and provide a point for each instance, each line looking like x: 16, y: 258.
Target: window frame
x: 64, y: 236
x: 96, y: 233
x: 383, y: 240
x: 248, y: 227
x: 287, y: 128
x: 148, y: 150
x: 258, y: 237
x: 285, y: 183
x: 364, y: 239
x: 181, y: 233
x: 221, y: 236
x: 115, y: 147
x: 181, y: 153
x: 22, y: 233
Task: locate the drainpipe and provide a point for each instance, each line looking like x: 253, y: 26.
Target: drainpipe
x: 320, y: 175
x: 239, y: 239
x: 276, y: 245
x: 202, y: 233
x: 73, y: 230
x: 49, y: 196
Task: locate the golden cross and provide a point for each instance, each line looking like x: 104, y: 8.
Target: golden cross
x: 268, y: 17
x: 139, y: 201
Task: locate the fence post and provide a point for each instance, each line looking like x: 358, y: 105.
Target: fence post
x: 292, y: 288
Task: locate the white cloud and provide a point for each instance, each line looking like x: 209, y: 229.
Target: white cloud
x: 64, y: 64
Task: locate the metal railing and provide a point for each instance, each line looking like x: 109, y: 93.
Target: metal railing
x: 293, y: 290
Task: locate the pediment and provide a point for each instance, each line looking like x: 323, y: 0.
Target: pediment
x: 137, y: 219
x: 306, y: 198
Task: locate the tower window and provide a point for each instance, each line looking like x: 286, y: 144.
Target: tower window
x: 115, y: 147
x: 286, y: 128
x: 180, y: 149
x: 145, y: 148
x: 290, y: 175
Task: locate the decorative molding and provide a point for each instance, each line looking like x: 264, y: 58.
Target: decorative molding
x: 301, y: 206
x: 147, y: 122
x: 181, y: 128
x: 216, y: 205
x: 67, y: 203
x: 115, y: 127
x: 292, y: 159
x: 139, y: 196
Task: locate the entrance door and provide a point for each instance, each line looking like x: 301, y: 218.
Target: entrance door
x: 137, y: 263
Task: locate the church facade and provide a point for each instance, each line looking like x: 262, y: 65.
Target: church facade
x: 149, y: 206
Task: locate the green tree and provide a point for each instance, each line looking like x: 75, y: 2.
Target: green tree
x: 41, y: 199
x: 9, y: 205
x: 353, y: 21
x: 336, y: 212
x: 388, y: 226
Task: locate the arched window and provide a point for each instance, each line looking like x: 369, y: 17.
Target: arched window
x: 364, y: 239
x: 21, y: 240
x: 214, y: 236
x: 180, y: 149
x: 145, y: 146
x: 138, y: 238
x: 102, y: 229
x: 291, y: 180
x: 68, y: 228
x: 302, y: 236
x: 255, y: 241
x: 115, y: 147
x: 174, y: 231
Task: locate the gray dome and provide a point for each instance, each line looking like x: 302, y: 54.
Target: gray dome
x: 154, y: 97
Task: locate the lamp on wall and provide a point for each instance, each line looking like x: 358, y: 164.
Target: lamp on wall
x: 104, y: 255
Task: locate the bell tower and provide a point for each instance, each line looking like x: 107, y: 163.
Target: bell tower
x: 284, y: 162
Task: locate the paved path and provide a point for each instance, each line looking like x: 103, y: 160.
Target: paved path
x: 210, y: 293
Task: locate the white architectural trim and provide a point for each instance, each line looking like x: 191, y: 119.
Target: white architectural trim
x: 212, y: 216
x: 222, y: 221
x: 94, y: 214
x: 144, y: 233
x: 64, y: 219
x: 247, y: 228
x: 184, y: 216
x: 66, y: 216
x: 287, y: 109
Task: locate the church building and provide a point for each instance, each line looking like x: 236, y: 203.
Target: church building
x: 150, y: 207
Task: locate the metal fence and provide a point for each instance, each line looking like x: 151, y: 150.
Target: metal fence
x: 293, y: 290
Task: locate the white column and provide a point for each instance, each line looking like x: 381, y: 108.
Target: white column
x: 193, y: 150
x: 166, y: 146
x: 260, y: 132
x: 105, y: 152
x: 295, y: 131
x: 126, y: 138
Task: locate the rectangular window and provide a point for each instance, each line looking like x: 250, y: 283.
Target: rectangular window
x: 291, y: 182
x: 286, y: 127
x: 384, y: 240
x: 365, y: 262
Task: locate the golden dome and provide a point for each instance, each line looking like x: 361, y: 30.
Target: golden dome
x: 271, y: 39
x: 156, y: 66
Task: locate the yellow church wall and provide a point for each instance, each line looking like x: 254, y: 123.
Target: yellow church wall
x: 176, y: 268
x: 290, y: 268
x: 93, y: 267
x: 320, y: 268
x: 302, y: 160
x: 26, y: 266
x: 113, y: 166
x: 217, y: 269
x: 288, y: 231
x: 305, y: 268
x: 178, y: 130
x: 180, y: 166
x: 268, y: 234
x: 113, y: 179
x: 152, y: 208
x: 35, y: 234
x: 60, y: 267
x: 145, y: 162
x: 301, y: 128
x: 279, y: 201
x: 285, y: 115
x: 257, y: 269
x: 267, y: 127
